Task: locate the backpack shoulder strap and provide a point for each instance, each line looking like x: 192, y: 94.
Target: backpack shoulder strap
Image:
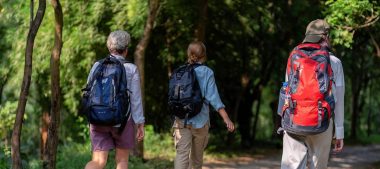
x: 95, y: 73
x: 121, y: 62
x: 308, y: 46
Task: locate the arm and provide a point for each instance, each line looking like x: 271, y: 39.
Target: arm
x: 339, y: 107
x: 213, y: 97
x: 136, y: 105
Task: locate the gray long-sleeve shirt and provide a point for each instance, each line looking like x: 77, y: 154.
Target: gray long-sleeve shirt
x: 338, y: 90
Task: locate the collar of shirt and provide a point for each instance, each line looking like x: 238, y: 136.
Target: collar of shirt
x: 117, y: 56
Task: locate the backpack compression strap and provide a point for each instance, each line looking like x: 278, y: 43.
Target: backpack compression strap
x: 121, y: 63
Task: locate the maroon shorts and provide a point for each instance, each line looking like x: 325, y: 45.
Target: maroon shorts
x: 105, y: 138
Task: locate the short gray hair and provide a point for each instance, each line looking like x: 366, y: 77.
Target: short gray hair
x: 118, y: 41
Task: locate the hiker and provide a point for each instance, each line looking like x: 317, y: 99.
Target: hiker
x: 191, y: 133
x: 120, y: 137
x: 314, y: 101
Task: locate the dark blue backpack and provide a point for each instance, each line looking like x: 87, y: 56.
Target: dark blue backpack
x: 184, y: 98
x: 105, y: 99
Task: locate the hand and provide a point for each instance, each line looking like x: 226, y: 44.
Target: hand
x: 338, y: 145
x: 140, y: 132
x: 230, y: 126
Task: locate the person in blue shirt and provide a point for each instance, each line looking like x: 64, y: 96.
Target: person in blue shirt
x: 191, y: 140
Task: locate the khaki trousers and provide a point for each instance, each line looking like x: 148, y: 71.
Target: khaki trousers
x: 190, y: 144
x: 311, y: 151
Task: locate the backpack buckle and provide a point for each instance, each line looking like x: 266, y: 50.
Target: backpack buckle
x: 319, y: 104
x: 293, y: 104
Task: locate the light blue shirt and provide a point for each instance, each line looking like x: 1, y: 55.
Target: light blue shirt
x: 206, y: 80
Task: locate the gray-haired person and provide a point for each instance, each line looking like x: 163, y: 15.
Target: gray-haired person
x: 106, y: 138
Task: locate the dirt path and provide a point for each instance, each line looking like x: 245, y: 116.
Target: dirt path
x: 353, y: 157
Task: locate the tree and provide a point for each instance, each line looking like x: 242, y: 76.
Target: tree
x: 200, y: 30
x: 353, y: 21
x: 35, y: 24
x: 139, y: 54
x: 52, y: 139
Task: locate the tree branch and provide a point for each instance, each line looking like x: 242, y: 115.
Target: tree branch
x: 370, y: 21
x: 375, y: 44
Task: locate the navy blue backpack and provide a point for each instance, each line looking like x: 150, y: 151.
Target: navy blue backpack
x: 184, y: 98
x: 105, y: 99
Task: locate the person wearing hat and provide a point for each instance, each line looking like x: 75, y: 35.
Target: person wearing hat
x: 313, y: 151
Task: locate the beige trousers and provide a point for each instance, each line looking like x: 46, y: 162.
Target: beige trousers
x: 190, y: 144
x: 311, y: 151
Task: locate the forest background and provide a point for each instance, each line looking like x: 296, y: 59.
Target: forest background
x: 248, y: 42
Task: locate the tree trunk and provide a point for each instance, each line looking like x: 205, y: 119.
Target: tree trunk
x: 257, y: 113
x: 355, y: 112
x: 44, y: 132
x: 45, y: 108
x: 369, y: 115
x: 276, y: 119
x: 200, y: 31
x: 52, y: 140
x: 3, y: 82
x: 139, y: 56
x: 245, y: 115
x: 35, y: 24
x: 359, y: 83
x: 242, y: 112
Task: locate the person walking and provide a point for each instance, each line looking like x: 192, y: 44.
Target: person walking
x: 315, y: 86
x: 122, y: 138
x: 191, y: 134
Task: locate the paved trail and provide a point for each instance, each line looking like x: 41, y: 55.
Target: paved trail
x: 353, y: 157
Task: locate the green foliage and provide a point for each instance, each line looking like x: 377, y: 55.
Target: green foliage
x: 5, y: 155
x: 156, y: 143
x: 7, y: 116
x: 348, y: 15
x: 159, y: 150
x: 86, y: 26
x: 176, y: 22
x: 244, y: 39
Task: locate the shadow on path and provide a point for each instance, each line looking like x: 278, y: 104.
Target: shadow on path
x: 352, y: 157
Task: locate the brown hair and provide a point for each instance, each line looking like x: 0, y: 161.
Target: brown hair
x: 195, y: 52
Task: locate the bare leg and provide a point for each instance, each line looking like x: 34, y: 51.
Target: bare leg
x: 121, y: 157
x: 99, y: 160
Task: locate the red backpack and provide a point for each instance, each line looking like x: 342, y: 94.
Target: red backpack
x: 308, y: 103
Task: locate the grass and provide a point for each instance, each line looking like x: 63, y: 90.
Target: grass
x: 364, y: 140
x: 158, y: 148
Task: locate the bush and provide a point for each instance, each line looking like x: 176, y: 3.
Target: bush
x: 158, y: 149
